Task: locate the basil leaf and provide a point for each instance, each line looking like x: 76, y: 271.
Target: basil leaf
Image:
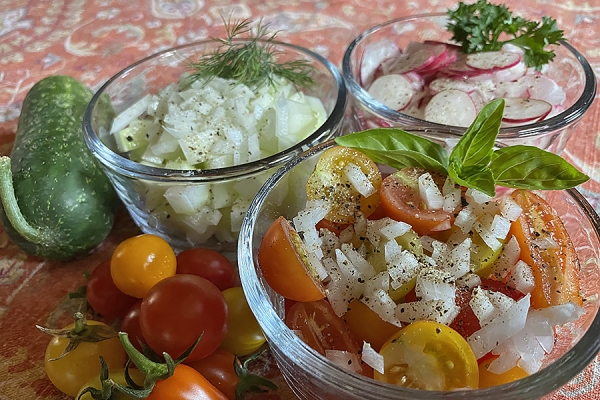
x: 476, y: 146
x: 473, y: 177
x: 529, y: 167
x: 397, y: 148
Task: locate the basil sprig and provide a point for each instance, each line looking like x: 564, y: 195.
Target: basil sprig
x: 473, y: 162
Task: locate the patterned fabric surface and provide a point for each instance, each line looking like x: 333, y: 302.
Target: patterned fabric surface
x: 93, y: 39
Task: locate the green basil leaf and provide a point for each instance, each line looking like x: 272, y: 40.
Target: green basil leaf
x: 397, y: 148
x: 475, y: 147
x: 473, y: 177
x: 528, y: 167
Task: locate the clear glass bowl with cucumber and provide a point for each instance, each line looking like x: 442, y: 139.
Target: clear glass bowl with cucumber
x: 187, y: 150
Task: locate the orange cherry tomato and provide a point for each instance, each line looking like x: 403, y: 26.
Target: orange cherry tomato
x: 367, y: 325
x: 555, y: 268
x: 400, y: 200
x: 185, y: 384
x: 322, y: 329
x: 139, y: 262
x: 285, y: 266
x: 489, y: 379
x: 218, y: 369
x: 329, y: 182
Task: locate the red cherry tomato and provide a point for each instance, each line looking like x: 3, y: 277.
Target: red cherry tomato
x: 131, y: 325
x: 104, y: 296
x: 322, y: 329
x: 180, y: 308
x: 208, y: 264
x: 400, y: 200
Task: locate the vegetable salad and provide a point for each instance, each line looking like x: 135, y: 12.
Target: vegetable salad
x: 425, y: 277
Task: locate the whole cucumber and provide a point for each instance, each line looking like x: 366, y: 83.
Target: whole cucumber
x: 57, y: 203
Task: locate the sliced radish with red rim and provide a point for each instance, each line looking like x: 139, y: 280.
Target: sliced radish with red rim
x: 394, y: 91
x: 451, y: 107
x: 525, y: 110
x: 492, y: 60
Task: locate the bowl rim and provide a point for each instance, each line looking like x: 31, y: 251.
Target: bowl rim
x: 550, y: 378
x: 556, y: 122
x: 127, y: 167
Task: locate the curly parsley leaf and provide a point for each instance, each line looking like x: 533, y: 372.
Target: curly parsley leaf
x: 483, y: 26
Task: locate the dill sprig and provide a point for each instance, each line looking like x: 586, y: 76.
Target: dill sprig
x: 252, y: 62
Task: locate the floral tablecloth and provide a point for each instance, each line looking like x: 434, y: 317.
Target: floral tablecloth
x: 93, y: 39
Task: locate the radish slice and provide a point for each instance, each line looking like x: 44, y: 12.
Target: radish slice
x: 492, y: 60
x: 543, y: 88
x: 394, y: 91
x: 451, y: 107
x: 409, y: 62
x: 525, y: 110
x: 512, y: 73
x: 375, y: 54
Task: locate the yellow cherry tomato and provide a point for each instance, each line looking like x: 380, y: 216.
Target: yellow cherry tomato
x: 69, y: 373
x: 329, y: 181
x: 138, y: 263
x: 244, y: 335
x: 431, y: 356
x: 489, y: 379
x: 117, y: 376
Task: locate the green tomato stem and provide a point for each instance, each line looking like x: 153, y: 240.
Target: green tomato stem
x: 152, y: 370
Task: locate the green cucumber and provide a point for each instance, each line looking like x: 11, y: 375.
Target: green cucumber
x: 57, y: 203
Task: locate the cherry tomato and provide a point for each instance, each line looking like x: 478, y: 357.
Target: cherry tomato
x: 367, y: 325
x: 285, y: 266
x: 104, y: 296
x: 329, y: 182
x: 322, y: 329
x: 466, y: 322
x: 119, y: 377
x: 209, y: 264
x: 400, y: 200
x: 69, y: 373
x: 431, y: 356
x: 331, y: 226
x: 218, y: 369
x: 489, y: 379
x: 244, y: 335
x: 179, y: 309
x: 139, y: 262
x: 555, y: 268
x: 131, y: 325
x: 185, y: 384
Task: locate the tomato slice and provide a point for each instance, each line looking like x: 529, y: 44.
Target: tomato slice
x: 367, y: 325
x: 489, y: 379
x: 285, y: 266
x: 322, y: 329
x: 329, y: 182
x: 431, y: 356
x: 555, y: 268
x: 400, y: 200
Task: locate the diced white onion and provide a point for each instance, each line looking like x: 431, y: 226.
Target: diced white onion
x: 359, y: 180
x: 430, y: 192
x: 372, y: 358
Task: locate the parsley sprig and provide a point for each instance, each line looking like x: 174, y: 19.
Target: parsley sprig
x: 482, y: 26
x: 473, y: 162
x: 253, y: 62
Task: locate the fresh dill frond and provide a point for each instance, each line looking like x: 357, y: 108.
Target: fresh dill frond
x: 252, y: 62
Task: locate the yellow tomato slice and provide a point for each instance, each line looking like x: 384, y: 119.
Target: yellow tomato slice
x: 329, y: 182
x: 367, y: 325
x: 489, y: 379
x: 430, y: 356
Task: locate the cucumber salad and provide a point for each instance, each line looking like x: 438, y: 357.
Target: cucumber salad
x: 426, y: 277
x: 449, y: 83
x: 235, y: 106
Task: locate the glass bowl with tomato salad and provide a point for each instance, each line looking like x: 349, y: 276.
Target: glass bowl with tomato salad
x: 416, y: 56
x: 186, y: 154
x: 298, y: 331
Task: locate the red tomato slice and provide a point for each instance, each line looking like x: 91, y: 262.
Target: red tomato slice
x: 400, y: 200
x: 284, y: 264
x: 555, y: 268
x: 322, y: 329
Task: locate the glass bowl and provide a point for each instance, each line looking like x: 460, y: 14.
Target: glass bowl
x: 142, y: 187
x: 312, y: 376
x: 569, y: 69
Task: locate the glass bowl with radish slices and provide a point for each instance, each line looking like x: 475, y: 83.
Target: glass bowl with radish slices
x: 375, y: 275
x: 411, y: 73
x: 188, y: 147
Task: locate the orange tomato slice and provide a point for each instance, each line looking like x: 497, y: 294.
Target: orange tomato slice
x: 284, y: 264
x: 555, y: 268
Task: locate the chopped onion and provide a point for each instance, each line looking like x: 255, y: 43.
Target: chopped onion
x: 372, y: 358
x: 509, y: 208
x: 359, y: 180
x: 521, y: 277
x: 430, y: 310
x: 430, y: 192
x: 344, y: 359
